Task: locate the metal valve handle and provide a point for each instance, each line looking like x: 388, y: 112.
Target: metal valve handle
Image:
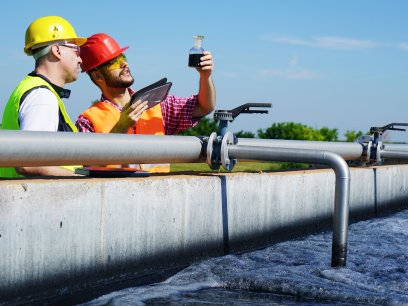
x: 390, y: 126
x: 223, y: 116
x: 230, y: 115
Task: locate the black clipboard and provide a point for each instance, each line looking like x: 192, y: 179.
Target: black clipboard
x: 111, y: 172
x: 153, y: 94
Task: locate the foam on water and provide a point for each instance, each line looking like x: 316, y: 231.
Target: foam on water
x: 293, y: 272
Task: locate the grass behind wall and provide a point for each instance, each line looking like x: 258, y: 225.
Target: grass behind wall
x: 241, y: 166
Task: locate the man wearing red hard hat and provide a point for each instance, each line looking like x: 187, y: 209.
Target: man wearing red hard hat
x: 105, y: 63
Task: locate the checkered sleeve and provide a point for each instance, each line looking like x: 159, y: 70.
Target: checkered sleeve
x: 178, y: 113
x: 84, y: 125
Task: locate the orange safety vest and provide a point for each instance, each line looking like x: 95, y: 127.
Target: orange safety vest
x: 104, y: 117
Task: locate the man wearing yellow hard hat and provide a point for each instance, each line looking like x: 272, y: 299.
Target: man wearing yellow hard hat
x: 36, y: 103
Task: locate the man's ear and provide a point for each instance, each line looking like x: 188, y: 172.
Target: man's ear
x: 56, y: 51
x: 96, y: 75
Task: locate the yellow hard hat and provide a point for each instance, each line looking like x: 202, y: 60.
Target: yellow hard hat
x: 48, y: 29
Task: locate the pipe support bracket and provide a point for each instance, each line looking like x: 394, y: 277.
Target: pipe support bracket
x: 228, y: 139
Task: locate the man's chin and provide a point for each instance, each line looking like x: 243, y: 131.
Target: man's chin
x: 122, y: 84
x: 73, y: 79
x: 129, y: 82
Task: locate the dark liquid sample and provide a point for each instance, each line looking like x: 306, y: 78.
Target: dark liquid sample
x: 194, y: 60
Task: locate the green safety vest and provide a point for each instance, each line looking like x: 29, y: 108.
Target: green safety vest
x: 10, y: 115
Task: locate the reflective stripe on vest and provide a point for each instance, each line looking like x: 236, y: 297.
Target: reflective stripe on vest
x: 104, y: 117
x: 10, y: 115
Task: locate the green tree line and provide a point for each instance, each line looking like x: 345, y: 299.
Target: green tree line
x: 280, y: 130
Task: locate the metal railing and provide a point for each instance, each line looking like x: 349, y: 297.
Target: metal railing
x: 21, y: 148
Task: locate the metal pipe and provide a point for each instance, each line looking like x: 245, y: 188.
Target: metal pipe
x: 23, y: 148
x: 342, y: 188
x: 394, y: 154
x: 347, y: 150
x: 394, y: 147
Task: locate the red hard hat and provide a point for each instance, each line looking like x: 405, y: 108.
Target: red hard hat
x: 98, y: 49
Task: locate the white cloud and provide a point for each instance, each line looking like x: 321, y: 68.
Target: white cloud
x: 403, y: 46
x: 342, y: 43
x: 293, y: 62
x: 327, y: 42
x: 292, y: 71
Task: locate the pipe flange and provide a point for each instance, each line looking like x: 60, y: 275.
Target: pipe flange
x: 369, y: 145
x: 210, y: 149
x: 378, y: 156
x: 374, y: 152
x: 366, y: 141
x: 226, y: 162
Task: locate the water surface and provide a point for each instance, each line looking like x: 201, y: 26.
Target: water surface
x: 294, y: 272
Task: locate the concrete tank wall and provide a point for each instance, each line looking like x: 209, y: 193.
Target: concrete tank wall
x: 68, y: 234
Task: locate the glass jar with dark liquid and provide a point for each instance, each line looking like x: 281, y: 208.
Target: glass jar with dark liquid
x: 196, y: 52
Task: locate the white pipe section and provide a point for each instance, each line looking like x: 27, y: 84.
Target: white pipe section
x: 342, y: 188
x: 394, y: 154
x: 23, y: 148
x: 347, y: 150
x: 394, y: 147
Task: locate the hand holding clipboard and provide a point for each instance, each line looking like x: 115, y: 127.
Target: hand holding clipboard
x: 153, y: 94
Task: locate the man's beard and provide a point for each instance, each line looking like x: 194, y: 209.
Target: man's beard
x: 117, y: 82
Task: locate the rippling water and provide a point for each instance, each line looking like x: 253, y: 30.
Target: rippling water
x: 293, y: 272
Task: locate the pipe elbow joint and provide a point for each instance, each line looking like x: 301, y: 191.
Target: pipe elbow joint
x: 338, y: 164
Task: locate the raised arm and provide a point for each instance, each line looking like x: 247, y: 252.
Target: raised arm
x: 206, y: 94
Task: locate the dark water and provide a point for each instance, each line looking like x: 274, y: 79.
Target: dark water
x: 194, y: 60
x: 293, y: 273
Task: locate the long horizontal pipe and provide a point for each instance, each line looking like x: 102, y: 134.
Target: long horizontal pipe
x: 347, y: 150
x: 394, y: 154
x: 342, y: 188
x: 23, y: 148
x: 395, y: 147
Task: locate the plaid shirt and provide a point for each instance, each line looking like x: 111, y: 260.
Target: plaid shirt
x: 177, y: 114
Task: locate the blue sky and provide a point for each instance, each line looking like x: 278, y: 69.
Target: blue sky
x: 340, y: 64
